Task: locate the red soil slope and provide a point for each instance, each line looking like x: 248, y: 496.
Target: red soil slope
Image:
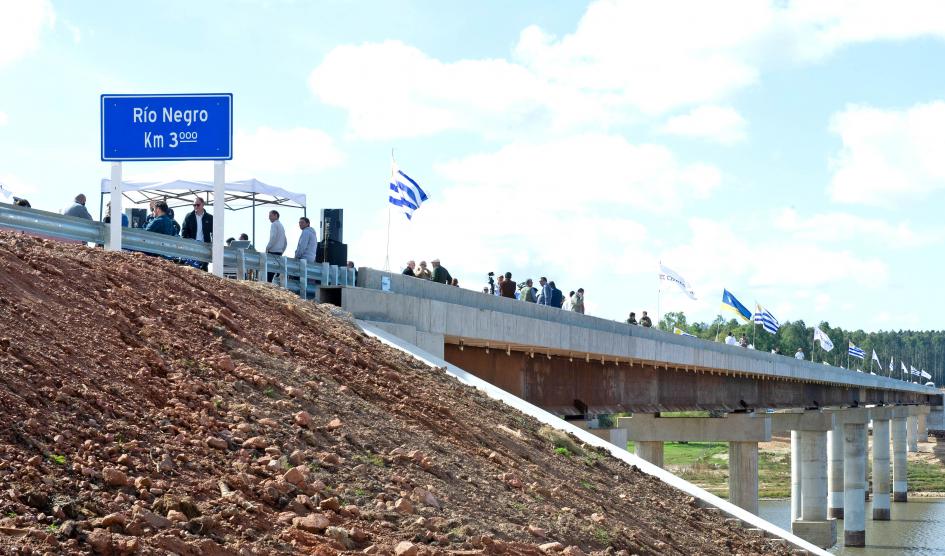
x: 151, y: 408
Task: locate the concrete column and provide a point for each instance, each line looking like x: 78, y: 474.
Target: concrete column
x: 743, y: 475
x: 835, y: 470
x: 796, y: 478
x: 923, y: 430
x: 650, y: 451
x: 881, y: 469
x: 899, y: 459
x: 854, y: 484
x: 912, y: 433
x: 814, y: 475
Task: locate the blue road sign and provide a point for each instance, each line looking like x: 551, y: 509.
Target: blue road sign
x: 167, y: 127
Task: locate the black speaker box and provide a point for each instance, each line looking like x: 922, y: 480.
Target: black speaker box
x: 332, y: 224
x: 337, y: 252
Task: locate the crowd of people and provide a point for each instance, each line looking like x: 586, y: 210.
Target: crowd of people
x: 198, y: 226
x: 439, y: 273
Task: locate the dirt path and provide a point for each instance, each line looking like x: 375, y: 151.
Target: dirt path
x: 151, y: 408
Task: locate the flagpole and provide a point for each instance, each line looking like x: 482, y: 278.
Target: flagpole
x: 387, y: 253
x: 659, y: 295
x: 813, y: 344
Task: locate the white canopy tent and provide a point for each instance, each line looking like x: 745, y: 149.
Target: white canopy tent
x: 239, y: 195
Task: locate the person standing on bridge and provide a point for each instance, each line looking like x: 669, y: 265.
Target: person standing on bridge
x: 161, y: 223
x: 557, y: 296
x: 632, y: 319
x: 409, y: 270
x: 528, y: 292
x: 78, y: 209
x: 577, y: 301
x: 307, y: 242
x: 277, y: 241
x: 507, y: 287
x: 198, y: 225
x: 423, y: 272
x: 440, y: 274
x: 645, y: 320
x: 800, y: 354
x: 730, y: 339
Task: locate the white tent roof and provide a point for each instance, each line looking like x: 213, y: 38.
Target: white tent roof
x: 250, y: 186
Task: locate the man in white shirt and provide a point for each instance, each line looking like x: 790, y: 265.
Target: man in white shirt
x: 277, y: 242
x: 730, y: 340
x: 800, y: 354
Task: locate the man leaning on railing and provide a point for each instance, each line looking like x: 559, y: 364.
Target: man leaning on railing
x: 162, y: 223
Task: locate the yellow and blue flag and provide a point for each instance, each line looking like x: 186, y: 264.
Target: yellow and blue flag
x: 729, y: 303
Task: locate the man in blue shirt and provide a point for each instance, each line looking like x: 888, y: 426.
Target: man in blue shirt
x: 162, y: 223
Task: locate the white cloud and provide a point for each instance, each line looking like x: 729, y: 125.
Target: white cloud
x: 888, y: 156
x: 21, y: 24
x: 585, y: 169
x: 839, y: 227
x: 625, y: 60
x: 722, y: 124
x: 721, y: 257
x: 297, y: 151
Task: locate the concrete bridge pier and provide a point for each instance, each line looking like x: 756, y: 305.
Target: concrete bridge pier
x: 854, y: 478
x: 809, y: 472
x: 651, y: 451
x: 922, y: 422
x: 835, y: 468
x: 900, y: 416
x: 881, y: 416
x: 742, y: 431
x: 912, y: 430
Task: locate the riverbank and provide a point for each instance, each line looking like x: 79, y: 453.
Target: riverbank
x: 706, y: 464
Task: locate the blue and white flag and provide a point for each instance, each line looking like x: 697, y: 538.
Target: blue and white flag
x: 856, y: 352
x: 766, y: 319
x: 404, y: 192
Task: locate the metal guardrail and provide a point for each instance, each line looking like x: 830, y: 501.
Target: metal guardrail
x: 239, y: 263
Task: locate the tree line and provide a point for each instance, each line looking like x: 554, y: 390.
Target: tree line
x: 924, y: 350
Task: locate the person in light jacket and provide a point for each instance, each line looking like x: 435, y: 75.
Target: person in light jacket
x: 307, y: 241
x: 277, y: 242
x: 78, y: 208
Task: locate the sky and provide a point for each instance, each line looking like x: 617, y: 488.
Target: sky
x: 789, y: 151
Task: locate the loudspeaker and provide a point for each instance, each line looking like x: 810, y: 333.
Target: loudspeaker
x: 333, y: 224
x: 136, y: 217
x: 337, y: 252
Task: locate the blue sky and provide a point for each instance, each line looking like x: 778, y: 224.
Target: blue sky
x: 791, y: 152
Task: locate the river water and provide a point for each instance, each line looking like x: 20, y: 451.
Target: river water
x: 916, y: 528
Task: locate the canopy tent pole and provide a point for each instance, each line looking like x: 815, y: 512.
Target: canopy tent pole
x: 101, y: 205
x: 254, y: 220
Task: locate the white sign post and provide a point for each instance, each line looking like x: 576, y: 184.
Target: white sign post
x: 114, y: 239
x: 219, y: 183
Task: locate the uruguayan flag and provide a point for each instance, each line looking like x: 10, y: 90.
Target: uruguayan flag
x: 404, y: 192
x: 856, y: 352
x: 766, y: 319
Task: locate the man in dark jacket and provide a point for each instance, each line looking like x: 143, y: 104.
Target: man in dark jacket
x: 440, y: 274
x: 408, y: 271
x: 507, y: 287
x: 161, y: 223
x: 198, y: 225
x: 557, y: 297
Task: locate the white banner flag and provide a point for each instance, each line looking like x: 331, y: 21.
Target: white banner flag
x: 673, y: 277
x: 825, y: 341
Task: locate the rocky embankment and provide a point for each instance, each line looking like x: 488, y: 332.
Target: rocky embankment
x: 149, y: 408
